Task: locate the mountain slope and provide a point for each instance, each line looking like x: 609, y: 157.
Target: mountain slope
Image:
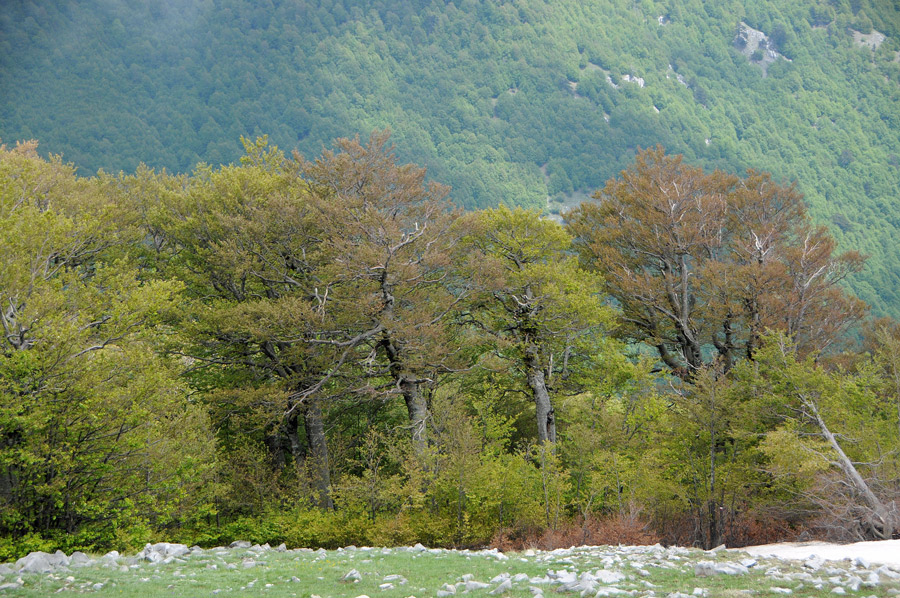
x: 508, y: 102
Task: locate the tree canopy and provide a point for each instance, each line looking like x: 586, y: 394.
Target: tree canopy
x: 508, y: 103
x: 325, y: 352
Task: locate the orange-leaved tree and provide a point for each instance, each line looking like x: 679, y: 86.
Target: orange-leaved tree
x: 702, y: 264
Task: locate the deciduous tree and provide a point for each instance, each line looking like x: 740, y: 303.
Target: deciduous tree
x: 541, y: 311
x: 703, y: 263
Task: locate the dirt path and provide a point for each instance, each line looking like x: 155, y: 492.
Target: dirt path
x: 886, y: 552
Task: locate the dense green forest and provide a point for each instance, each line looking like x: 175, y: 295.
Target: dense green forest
x: 327, y: 352
x: 527, y: 103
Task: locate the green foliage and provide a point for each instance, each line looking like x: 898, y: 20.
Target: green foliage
x: 220, y: 356
x: 99, y: 435
x: 483, y: 97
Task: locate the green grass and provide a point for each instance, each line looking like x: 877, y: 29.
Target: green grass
x: 320, y: 573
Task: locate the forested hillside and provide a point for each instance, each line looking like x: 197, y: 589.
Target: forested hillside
x: 507, y: 102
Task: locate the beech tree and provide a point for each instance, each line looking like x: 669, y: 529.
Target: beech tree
x: 542, y: 312
x: 703, y: 263
x: 93, y: 422
x: 243, y: 241
x: 387, y: 236
x: 834, y: 436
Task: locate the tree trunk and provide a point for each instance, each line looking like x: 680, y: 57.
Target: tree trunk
x: 298, y: 451
x: 546, y: 418
x: 317, y: 459
x: 411, y: 391
x: 883, y: 520
x: 418, y: 412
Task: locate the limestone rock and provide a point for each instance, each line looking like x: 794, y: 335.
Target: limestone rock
x: 710, y: 568
x: 34, y: 562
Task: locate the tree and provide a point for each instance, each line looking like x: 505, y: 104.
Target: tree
x: 831, y: 424
x: 541, y: 312
x: 93, y: 422
x: 703, y: 263
x: 243, y: 241
x: 387, y: 234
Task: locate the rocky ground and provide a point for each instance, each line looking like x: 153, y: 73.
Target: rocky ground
x: 405, y: 572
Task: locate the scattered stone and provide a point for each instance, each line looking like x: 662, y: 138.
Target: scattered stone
x: 352, y: 576
x: 15, y: 585
x: 814, y: 562
x: 710, y: 568
x: 35, y: 562
x: 609, y: 577
x: 386, y: 586
x: 505, y: 586
x: 239, y: 544
x: 475, y: 585
x: 79, y: 559
x: 777, y: 590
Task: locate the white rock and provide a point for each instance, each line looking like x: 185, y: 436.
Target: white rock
x: 777, y: 590
x: 709, y: 568
x: 352, y: 575
x: 505, y: 586
x: 838, y: 590
x: 475, y: 585
x: 34, y: 562
x: 608, y: 577
x: 386, y: 586
x: 814, y: 562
